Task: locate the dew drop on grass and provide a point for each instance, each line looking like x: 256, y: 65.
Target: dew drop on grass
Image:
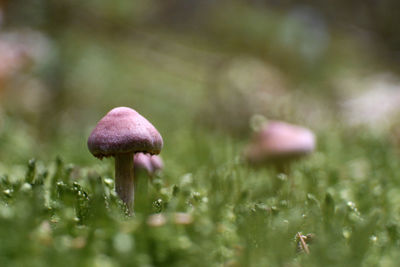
x: 346, y: 233
x: 26, y: 187
x: 7, y: 192
x: 196, y: 196
x: 351, y: 204
x: 109, y: 182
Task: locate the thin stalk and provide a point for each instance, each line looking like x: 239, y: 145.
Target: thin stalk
x: 124, y: 178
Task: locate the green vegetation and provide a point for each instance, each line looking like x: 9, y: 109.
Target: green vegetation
x: 202, y: 85
x: 346, y: 194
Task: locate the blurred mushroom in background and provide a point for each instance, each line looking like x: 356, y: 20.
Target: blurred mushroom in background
x: 150, y: 164
x: 278, y: 143
x: 146, y: 166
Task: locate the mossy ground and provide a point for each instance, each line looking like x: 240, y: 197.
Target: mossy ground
x: 346, y: 195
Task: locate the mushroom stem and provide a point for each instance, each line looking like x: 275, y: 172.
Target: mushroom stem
x: 124, y: 177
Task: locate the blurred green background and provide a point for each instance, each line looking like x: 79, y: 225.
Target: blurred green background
x: 204, y: 73
x: 184, y: 65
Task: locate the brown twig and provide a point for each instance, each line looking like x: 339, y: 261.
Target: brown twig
x: 303, y: 243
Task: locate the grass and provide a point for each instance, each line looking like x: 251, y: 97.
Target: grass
x: 346, y: 195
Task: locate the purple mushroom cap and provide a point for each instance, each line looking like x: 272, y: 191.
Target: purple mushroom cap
x: 157, y: 162
x: 280, y: 141
x: 123, y: 130
x: 147, y: 162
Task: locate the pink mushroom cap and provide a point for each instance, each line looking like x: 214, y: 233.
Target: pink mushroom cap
x: 150, y: 163
x: 123, y: 130
x: 280, y: 141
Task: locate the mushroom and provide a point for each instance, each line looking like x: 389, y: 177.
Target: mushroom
x: 279, y: 143
x: 150, y: 163
x: 146, y: 166
x: 121, y: 133
x: 157, y: 163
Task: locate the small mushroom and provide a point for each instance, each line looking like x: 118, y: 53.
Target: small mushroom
x: 146, y: 166
x: 279, y: 143
x: 149, y: 163
x: 121, y: 133
x: 157, y: 163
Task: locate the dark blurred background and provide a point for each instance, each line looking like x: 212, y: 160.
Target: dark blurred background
x: 191, y: 67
